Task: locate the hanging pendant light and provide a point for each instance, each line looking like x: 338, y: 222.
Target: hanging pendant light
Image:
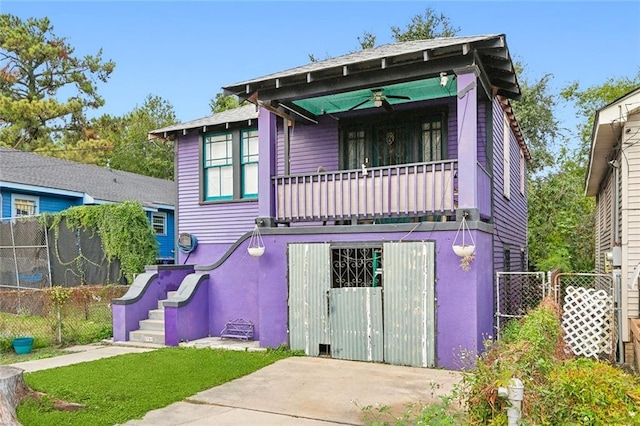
x: 468, y: 246
x: 256, y: 244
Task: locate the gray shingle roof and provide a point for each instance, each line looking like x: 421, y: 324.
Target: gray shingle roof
x: 243, y: 113
x: 100, y: 183
x: 387, y: 50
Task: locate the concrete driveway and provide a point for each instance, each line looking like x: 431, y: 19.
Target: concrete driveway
x: 307, y: 391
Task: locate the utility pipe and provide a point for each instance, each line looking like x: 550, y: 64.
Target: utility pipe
x: 515, y: 393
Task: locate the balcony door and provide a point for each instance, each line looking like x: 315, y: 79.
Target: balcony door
x: 399, y: 140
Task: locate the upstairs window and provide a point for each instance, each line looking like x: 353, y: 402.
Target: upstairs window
x: 230, y: 163
x: 24, y: 205
x: 218, y: 164
x: 250, y: 164
x: 506, y: 159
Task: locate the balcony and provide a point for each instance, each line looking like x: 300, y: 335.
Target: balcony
x: 407, y: 190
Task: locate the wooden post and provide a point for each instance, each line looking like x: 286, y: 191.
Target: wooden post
x: 12, y: 390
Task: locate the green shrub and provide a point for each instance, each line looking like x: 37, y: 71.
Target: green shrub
x: 557, y: 391
x: 590, y: 392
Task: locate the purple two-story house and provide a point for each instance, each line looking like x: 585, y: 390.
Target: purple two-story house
x: 363, y: 174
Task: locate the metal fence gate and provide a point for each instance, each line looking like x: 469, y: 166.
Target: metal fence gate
x: 588, y: 313
x: 516, y: 294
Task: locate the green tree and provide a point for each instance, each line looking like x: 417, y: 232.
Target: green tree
x: 588, y: 101
x: 122, y: 142
x: 426, y: 26
x: 44, y: 87
x: 221, y: 102
x: 535, y: 112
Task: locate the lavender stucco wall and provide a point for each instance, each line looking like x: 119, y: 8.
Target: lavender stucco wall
x: 130, y: 309
x: 256, y: 289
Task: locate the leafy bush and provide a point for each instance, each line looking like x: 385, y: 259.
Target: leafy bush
x: 557, y: 390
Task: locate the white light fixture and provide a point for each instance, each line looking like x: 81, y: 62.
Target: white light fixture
x: 444, y: 79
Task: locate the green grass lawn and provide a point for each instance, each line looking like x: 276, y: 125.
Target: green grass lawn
x: 126, y: 387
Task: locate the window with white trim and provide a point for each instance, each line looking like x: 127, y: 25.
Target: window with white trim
x: 24, y: 205
x: 218, y: 166
x: 230, y: 165
x: 159, y: 223
x: 506, y: 160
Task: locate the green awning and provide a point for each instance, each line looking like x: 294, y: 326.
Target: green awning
x: 420, y: 90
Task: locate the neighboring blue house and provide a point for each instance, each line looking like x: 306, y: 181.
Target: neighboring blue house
x: 368, y: 164
x: 31, y: 184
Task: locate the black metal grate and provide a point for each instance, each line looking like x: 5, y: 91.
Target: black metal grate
x: 356, y: 267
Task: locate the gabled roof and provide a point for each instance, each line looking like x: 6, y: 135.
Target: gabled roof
x: 607, y: 128
x: 30, y: 171
x: 389, y: 63
x: 236, y: 115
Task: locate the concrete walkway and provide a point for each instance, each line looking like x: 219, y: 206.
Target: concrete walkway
x: 301, y: 391
x: 78, y: 354
x: 307, y: 391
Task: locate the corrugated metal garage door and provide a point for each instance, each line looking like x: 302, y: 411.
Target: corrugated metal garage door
x: 356, y: 323
x: 394, y: 323
x: 309, y: 281
x: 409, y: 317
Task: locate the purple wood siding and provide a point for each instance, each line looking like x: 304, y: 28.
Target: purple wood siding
x: 211, y: 222
x: 310, y: 146
x: 482, y: 134
x: 510, y: 215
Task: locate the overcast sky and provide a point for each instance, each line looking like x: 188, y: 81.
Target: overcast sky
x: 186, y: 51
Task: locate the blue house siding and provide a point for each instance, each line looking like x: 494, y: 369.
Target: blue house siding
x: 510, y: 215
x: 47, y: 203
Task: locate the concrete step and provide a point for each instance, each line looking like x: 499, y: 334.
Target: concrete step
x: 151, y: 324
x: 156, y: 314
x: 147, y: 336
x: 170, y: 294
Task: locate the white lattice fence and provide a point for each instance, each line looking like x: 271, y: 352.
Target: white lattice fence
x: 588, y: 321
x: 588, y: 318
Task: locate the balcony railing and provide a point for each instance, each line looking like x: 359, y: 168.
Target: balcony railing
x: 407, y: 190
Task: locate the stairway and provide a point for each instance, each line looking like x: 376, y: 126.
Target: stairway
x: 152, y: 329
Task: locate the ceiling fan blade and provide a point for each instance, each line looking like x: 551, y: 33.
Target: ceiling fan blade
x: 358, y: 105
x: 387, y: 105
x: 398, y: 97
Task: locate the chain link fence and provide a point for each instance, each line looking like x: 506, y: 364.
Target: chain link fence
x: 588, y: 307
x: 24, y: 254
x: 516, y: 294
x: 57, y: 316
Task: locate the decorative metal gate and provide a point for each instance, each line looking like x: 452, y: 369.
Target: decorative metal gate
x: 516, y: 294
x: 588, y: 313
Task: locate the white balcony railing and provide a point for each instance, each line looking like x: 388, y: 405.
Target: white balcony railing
x: 407, y: 190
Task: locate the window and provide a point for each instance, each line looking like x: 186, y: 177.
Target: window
x: 390, y: 141
x: 506, y: 160
x: 356, y: 267
x: 218, y: 164
x: 159, y: 223
x: 522, y: 172
x: 24, y: 205
x: 250, y: 164
x: 230, y: 164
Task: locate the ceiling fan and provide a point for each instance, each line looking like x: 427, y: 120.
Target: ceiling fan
x: 379, y: 99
